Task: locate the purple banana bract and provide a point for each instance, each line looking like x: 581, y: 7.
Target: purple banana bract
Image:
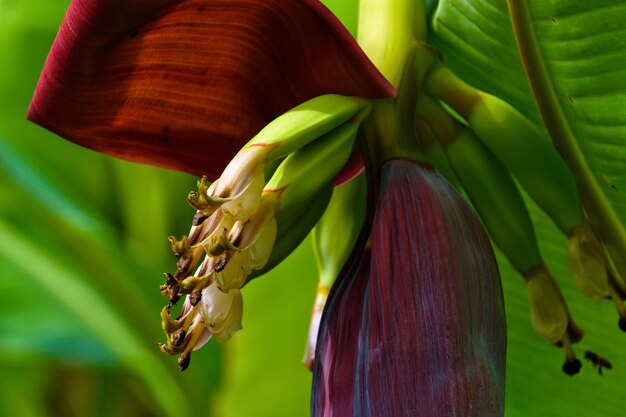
x: 418, y: 316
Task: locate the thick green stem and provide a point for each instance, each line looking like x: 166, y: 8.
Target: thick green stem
x: 597, y: 206
x: 389, y: 31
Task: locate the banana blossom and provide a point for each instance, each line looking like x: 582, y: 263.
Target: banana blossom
x: 185, y: 84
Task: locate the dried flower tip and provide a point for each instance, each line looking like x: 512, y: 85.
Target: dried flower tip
x: 572, y: 365
x: 170, y: 348
x: 199, y: 218
x: 171, y: 288
x: 221, y: 312
x: 574, y: 332
x: 548, y: 312
x: 592, y: 270
x: 186, y: 333
x: 618, y: 300
x: 178, y: 331
x: 234, y: 273
x: 588, y: 262
x: 572, y: 368
x: 169, y: 279
x: 195, y: 297
x: 221, y: 261
x: 184, y: 360
x: 187, y: 256
x: 178, y: 337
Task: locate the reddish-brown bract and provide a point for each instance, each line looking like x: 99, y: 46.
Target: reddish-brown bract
x: 184, y: 84
x: 432, y: 335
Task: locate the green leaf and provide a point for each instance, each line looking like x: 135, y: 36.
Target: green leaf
x: 89, y: 307
x: 83, y: 245
x: 583, y: 50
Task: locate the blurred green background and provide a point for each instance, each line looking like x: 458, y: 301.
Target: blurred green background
x: 83, y: 245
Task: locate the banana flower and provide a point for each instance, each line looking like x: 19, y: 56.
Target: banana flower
x: 185, y: 85
x: 214, y: 88
x: 424, y: 337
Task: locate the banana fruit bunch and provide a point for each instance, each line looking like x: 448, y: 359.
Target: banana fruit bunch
x: 245, y: 224
x: 488, y: 147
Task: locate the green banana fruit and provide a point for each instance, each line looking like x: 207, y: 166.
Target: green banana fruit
x: 518, y: 144
x: 540, y: 170
x: 301, y: 198
x: 238, y: 189
x: 495, y: 196
x: 307, y: 122
x: 487, y: 183
x: 433, y: 151
x: 324, y: 157
x: 336, y: 232
x: 294, y: 228
x: 334, y: 237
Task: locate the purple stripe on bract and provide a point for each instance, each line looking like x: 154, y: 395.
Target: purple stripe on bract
x: 431, y: 337
x: 437, y: 335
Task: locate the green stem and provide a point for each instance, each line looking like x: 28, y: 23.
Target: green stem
x: 389, y: 32
x: 597, y: 206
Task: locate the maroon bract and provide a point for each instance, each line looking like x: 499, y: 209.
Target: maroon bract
x: 431, y: 336
x: 184, y: 84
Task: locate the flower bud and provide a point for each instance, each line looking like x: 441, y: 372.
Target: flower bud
x: 418, y: 329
